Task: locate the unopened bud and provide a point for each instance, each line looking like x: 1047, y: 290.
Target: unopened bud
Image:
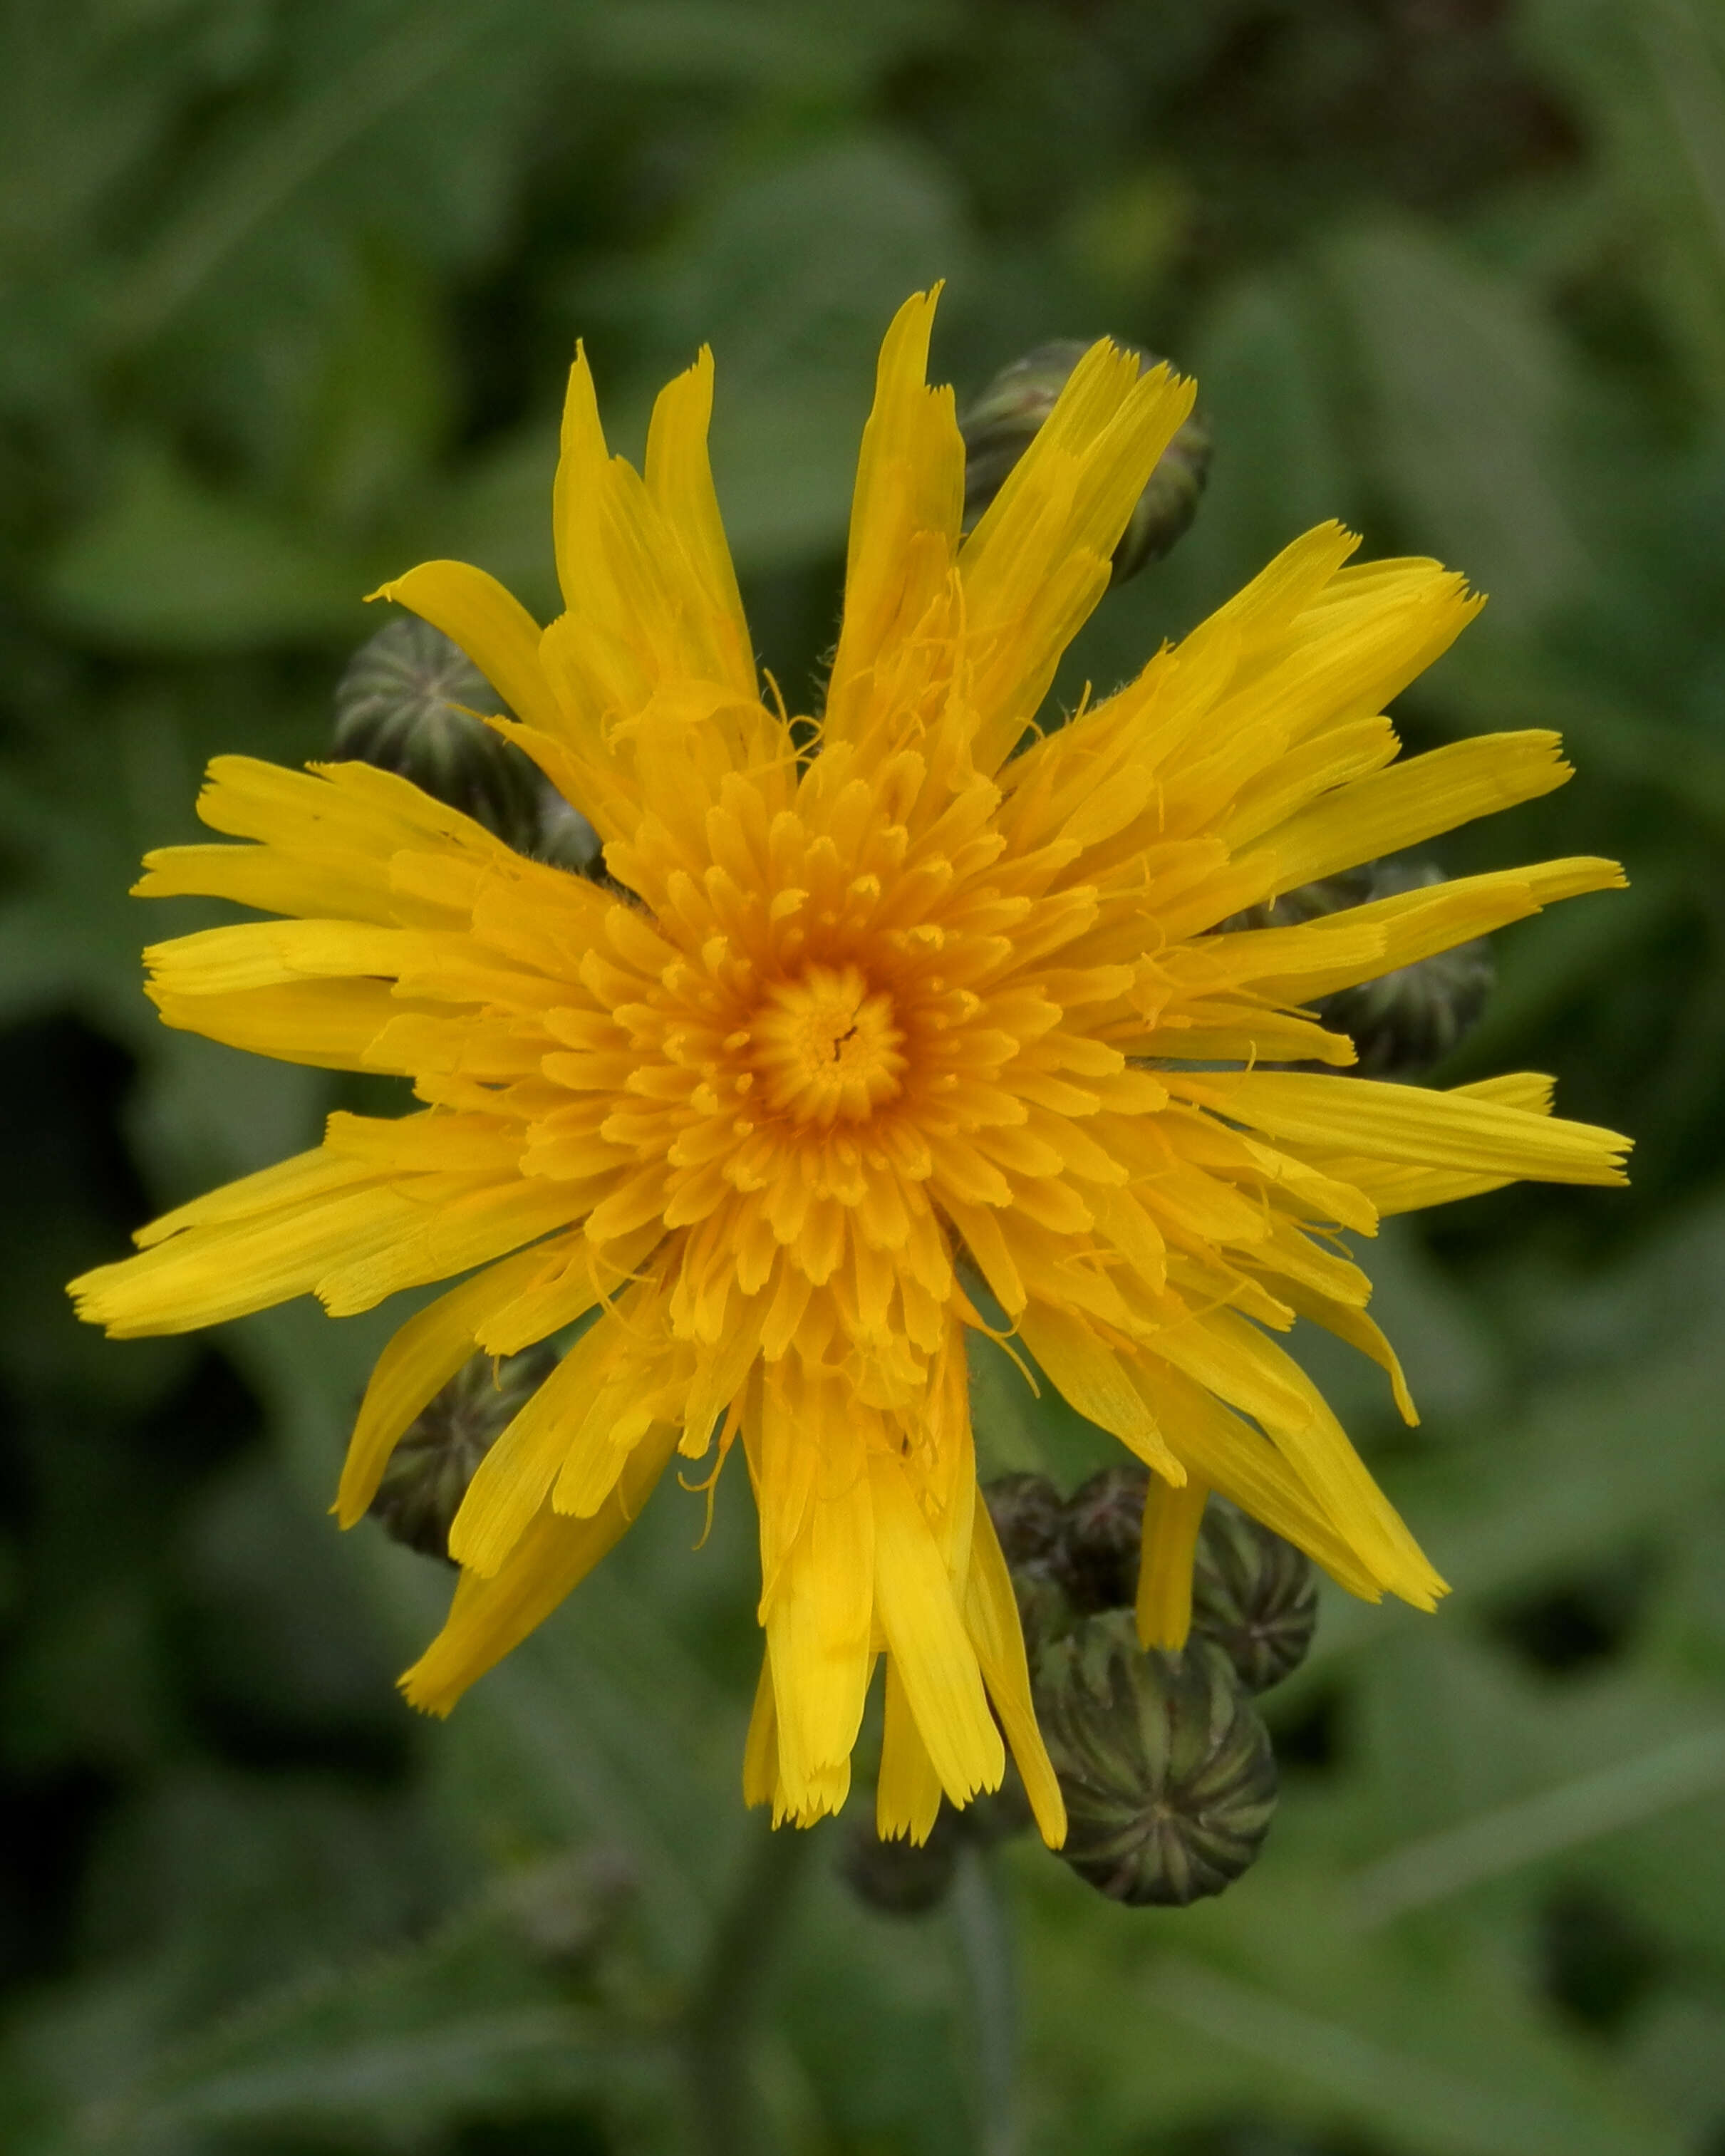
x: 433, y: 1464
x: 1254, y: 1596
x: 1028, y: 1518
x: 1404, y: 1021
x: 1165, y: 1766
x: 1100, y: 1539
x: 1005, y: 420
x: 902, y: 1878
x: 397, y: 706
x: 566, y: 838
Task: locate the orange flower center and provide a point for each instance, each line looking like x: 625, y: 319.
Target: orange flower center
x: 826, y: 1048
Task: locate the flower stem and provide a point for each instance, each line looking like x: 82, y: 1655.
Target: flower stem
x: 718, y: 2025
x: 985, y: 1940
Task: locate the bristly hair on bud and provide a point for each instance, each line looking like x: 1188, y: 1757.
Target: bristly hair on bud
x: 1006, y: 418
x: 1163, y: 1761
x: 431, y: 1467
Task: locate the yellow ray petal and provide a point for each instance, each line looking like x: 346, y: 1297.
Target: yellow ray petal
x: 1221, y: 1452
x: 1038, y: 561
x: 1413, y: 801
x: 905, y: 517
x: 512, y: 1482
x: 760, y: 1751
x: 331, y: 1025
x: 1414, y: 925
x: 1172, y: 1520
x: 207, y: 1274
x: 907, y: 1790
x: 820, y: 1620
x: 490, y: 625
x: 1092, y: 1378
x: 421, y: 1359
x: 680, y: 483
x: 927, y: 1638
x: 490, y: 1615
x: 991, y: 1616
x: 1412, y: 1126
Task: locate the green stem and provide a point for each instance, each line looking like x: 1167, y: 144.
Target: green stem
x: 718, y: 2025
x: 980, y: 1910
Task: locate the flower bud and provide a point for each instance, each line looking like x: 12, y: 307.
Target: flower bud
x: 565, y: 837
x: 1005, y: 420
x: 433, y: 1462
x: 905, y: 1878
x: 1166, y: 1767
x: 1254, y: 1596
x: 902, y: 1878
x: 1100, y: 1536
x: 1404, y: 1021
x: 396, y: 707
x: 1029, y: 1518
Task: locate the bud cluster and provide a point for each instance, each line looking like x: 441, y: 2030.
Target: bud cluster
x: 1164, y: 1761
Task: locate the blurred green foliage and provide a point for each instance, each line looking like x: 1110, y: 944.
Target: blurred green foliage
x: 291, y: 285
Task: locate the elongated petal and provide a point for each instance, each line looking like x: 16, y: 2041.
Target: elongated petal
x: 490, y: 1615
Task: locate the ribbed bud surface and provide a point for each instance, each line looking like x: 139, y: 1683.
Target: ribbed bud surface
x: 1254, y: 1595
x: 1165, y: 1769
x: 396, y: 707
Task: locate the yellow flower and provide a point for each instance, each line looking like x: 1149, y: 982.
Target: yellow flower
x: 870, y: 1015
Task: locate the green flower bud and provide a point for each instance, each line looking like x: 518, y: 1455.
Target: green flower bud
x: 1406, y: 1021
x: 566, y: 838
x: 433, y: 1464
x: 396, y: 707
x: 1005, y: 420
x: 902, y: 1878
x: 1254, y: 1596
x: 1100, y: 1536
x: 1028, y: 1516
x: 1166, y: 1767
